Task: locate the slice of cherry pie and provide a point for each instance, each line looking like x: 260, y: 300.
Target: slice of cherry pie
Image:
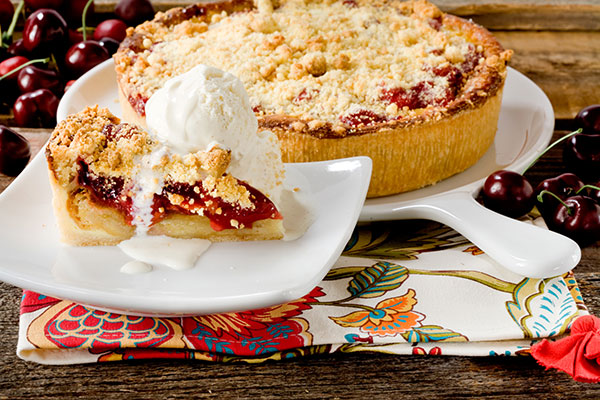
x: 112, y: 179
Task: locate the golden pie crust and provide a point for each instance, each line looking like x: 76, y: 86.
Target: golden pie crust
x: 91, y: 138
x: 311, y: 67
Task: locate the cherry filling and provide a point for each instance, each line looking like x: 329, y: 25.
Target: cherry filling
x: 112, y: 192
x: 424, y: 93
x: 305, y: 95
x: 362, y: 117
x: 106, y: 190
x: 138, y: 102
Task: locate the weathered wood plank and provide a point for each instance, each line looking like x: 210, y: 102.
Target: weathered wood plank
x: 565, y: 65
x: 494, y: 14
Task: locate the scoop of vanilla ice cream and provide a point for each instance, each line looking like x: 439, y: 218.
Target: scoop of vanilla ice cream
x: 207, y: 107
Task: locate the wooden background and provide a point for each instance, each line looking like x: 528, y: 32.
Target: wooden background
x: 556, y: 44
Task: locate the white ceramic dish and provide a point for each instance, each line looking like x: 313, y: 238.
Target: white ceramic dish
x: 524, y: 130
x: 228, y: 277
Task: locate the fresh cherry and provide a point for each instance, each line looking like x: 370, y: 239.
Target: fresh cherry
x: 6, y: 13
x: 111, y: 28
x: 134, y: 12
x: 11, y: 64
x: 563, y: 186
x: 579, y: 219
x: 14, y: 152
x: 110, y: 45
x: 72, y: 10
x: 595, y: 193
x: 581, y: 154
x: 8, y: 85
x: 17, y: 48
x: 74, y: 37
x: 36, y: 108
x: 32, y: 78
x: 84, y: 56
x: 45, y: 31
x: 508, y: 193
x: 589, y: 119
x: 37, y: 4
x: 69, y: 84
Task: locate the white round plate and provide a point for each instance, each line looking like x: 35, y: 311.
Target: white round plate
x: 230, y: 276
x: 525, y: 128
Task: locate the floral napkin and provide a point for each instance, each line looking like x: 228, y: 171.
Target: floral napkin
x: 403, y: 287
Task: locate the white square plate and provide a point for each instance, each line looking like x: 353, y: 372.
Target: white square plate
x: 230, y: 276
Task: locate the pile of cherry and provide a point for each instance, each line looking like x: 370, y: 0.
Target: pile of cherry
x: 569, y: 203
x: 56, y: 48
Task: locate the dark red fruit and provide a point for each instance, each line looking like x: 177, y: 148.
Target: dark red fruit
x: 36, y: 108
x: 8, y: 86
x: 74, y: 37
x: 37, y: 4
x: 595, y: 193
x: 589, y: 119
x: 111, y: 28
x: 134, y: 12
x: 581, y: 154
x: 69, y: 84
x: 45, y: 31
x: 32, y: 78
x: 17, y: 48
x: 110, y: 45
x: 72, y: 10
x: 579, y: 219
x: 14, y: 152
x: 508, y: 193
x: 11, y: 64
x: 6, y: 14
x: 563, y: 186
x: 84, y: 56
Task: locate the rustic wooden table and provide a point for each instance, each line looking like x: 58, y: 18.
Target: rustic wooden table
x: 557, y: 44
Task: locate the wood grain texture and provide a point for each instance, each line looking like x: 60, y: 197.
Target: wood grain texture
x: 338, y: 376
x: 506, y: 14
x: 566, y: 65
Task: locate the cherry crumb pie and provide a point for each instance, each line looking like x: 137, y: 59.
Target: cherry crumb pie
x: 417, y: 90
x: 110, y: 179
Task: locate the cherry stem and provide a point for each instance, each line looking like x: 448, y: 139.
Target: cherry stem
x: 551, y: 146
x: 540, y: 198
x: 586, y: 187
x: 20, y: 67
x: 15, y: 18
x: 83, y: 16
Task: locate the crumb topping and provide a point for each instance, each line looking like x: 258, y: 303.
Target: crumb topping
x: 321, y: 61
x: 111, y: 149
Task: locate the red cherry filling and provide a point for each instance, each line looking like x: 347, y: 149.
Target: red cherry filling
x: 113, y: 192
x: 435, y: 23
x: 362, y: 117
x: 305, y: 95
x: 220, y: 213
x: 138, y: 102
x: 426, y: 93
